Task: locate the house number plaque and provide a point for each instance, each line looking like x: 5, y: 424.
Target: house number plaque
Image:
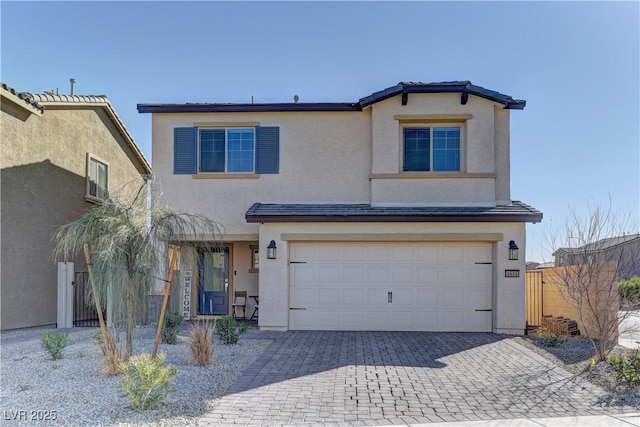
x: 186, y: 295
x: 512, y: 273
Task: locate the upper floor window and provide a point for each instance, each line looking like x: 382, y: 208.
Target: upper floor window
x: 97, y: 179
x: 242, y: 150
x: 227, y: 150
x: 434, y: 149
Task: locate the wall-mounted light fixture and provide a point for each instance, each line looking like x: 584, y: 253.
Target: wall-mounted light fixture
x: 513, y: 251
x: 272, y: 250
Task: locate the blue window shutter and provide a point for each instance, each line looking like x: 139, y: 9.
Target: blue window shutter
x: 268, y: 149
x: 185, y: 150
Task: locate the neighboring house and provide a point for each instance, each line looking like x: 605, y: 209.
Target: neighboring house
x: 390, y: 213
x: 60, y: 156
x: 624, y: 250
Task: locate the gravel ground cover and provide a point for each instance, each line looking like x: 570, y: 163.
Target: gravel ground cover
x: 35, y: 390
x: 575, y: 356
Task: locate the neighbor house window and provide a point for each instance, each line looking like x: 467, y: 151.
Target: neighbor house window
x: 431, y: 149
x: 97, y: 179
x: 227, y: 150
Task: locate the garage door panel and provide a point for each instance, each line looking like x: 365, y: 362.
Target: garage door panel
x: 478, y: 321
x: 427, y: 274
x: 427, y: 253
x: 377, y: 320
x: 434, y: 286
x: 355, y: 253
x: 402, y: 320
x: 477, y: 252
x: 353, y: 298
x: 402, y: 298
x: 378, y: 274
x: 330, y: 274
x: 427, y: 297
x: 477, y: 299
x: 452, y: 297
x: 403, y: 275
x: 452, y: 254
x: 301, y: 274
x: 353, y: 275
x: 451, y: 275
x: 378, y: 253
x: 303, y: 297
x: 329, y: 297
x: 453, y: 320
x: 402, y: 253
x: 377, y: 297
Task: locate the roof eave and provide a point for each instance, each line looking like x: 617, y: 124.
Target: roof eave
x: 257, y: 218
x: 247, y: 108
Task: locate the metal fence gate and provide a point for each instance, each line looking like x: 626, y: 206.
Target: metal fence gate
x: 84, y: 310
x: 534, y: 293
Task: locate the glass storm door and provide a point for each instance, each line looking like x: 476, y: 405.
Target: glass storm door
x: 213, y: 286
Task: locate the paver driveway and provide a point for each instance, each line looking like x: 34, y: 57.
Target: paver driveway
x: 377, y: 378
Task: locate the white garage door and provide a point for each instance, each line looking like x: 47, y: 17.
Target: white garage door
x: 391, y: 286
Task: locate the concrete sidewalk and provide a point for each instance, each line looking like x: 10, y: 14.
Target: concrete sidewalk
x: 624, y: 420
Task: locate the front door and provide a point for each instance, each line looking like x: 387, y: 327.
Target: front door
x: 213, y: 286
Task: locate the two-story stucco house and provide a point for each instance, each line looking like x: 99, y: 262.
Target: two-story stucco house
x: 390, y: 213
x: 61, y: 154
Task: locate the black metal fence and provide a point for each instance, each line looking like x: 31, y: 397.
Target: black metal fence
x: 84, y: 310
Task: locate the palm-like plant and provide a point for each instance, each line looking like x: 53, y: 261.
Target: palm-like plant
x: 128, y: 238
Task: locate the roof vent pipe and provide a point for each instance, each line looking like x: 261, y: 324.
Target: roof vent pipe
x: 73, y: 83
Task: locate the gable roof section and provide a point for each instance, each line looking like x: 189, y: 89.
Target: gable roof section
x: 600, y: 245
x: 21, y: 99
x: 465, y: 88
x: 515, y: 212
x: 100, y: 101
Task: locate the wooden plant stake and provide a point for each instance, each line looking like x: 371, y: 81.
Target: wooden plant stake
x: 167, y: 290
x: 103, y: 327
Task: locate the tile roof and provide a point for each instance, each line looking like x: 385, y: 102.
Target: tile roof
x: 601, y: 244
x: 22, y: 99
x: 463, y: 87
x: 39, y: 102
x: 444, y: 87
x: 50, y: 99
x: 270, y: 212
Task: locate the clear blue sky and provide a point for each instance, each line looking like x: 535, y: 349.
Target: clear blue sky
x: 576, y: 64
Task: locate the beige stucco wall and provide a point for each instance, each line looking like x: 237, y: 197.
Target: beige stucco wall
x: 43, y: 187
x: 508, y: 293
x: 484, y: 150
x: 324, y: 158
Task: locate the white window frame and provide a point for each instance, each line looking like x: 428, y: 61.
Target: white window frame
x: 431, y: 125
x: 226, y: 149
x: 94, y: 197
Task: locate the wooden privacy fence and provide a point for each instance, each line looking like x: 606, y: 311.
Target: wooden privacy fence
x: 534, y: 297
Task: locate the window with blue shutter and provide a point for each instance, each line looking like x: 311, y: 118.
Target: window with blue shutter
x: 232, y: 150
x: 185, y: 150
x: 268, y: 149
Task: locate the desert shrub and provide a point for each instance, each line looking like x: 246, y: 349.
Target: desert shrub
x: 171, y: 327
x: 626, y: 367
x: 54, y: 343
x: 201, y: 343
x: 147, y: 381
x: 629, y: 291
x: 114, y: 354
x: 228, y: 331
x: 551, y: 339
